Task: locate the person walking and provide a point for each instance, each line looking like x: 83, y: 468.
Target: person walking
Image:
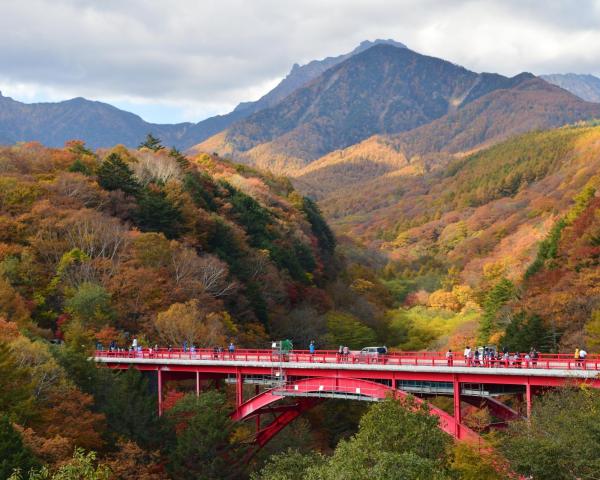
x: 231, y: 349
x: 534, y: 357
x: 582, y: 357
x: 467, y: 355
x: 576, y: 356
x: 449, y: 357
x: 346, y: 352
x: 311, y: 347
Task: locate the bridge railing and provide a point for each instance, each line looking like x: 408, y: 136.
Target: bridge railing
x: 431, y: 359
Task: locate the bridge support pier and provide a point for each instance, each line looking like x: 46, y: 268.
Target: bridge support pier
x: 528, y: 397
x: 457, y: 413
x: 159, y: 380
x: 239, y: 388
x: 197, y: 384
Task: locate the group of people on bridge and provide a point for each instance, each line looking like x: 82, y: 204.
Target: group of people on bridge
x: 489, y: 357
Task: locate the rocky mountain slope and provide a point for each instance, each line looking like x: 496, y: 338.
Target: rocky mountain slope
x: 586, y: 87
x: 531, y: 105
x: 388, y: 90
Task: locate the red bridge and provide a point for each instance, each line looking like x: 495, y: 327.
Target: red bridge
x: 311, y: 378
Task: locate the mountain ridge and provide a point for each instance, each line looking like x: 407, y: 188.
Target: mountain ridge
x: 586, y: 86
x: 32, y: 122
x: 406, y: 90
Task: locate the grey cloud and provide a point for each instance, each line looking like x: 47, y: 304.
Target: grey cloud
x: 217, y: 52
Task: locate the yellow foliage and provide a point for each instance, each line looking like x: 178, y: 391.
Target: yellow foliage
x: 444, y: 300
x: 592, y: 332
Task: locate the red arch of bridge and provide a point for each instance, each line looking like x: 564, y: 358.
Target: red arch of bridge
x: 260, y: 404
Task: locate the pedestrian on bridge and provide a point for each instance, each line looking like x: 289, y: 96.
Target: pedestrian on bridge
x: 449, y: 357
x: 534, y: 354
x: 311, y: 347
x: 231, y: 349
x: 468, y: 355
x: 582, y: 355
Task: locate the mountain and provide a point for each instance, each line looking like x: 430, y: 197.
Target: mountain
x: 102, y: 125
x: 300, y: 76
x: 385, y: 90
x: 532, y: 104
x: 586, y: 87
x: 99, y: 124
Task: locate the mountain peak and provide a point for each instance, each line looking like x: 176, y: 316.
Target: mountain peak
x: 366, y: 44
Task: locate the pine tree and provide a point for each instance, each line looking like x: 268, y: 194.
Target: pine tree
x: 79, y: 167
x: 157, y: 214
x: 203, y: 448
x: 115, y: 174
x: 497, y: 297
x: 131, y: 410
x: 151, y: 143
x: 13, y: 454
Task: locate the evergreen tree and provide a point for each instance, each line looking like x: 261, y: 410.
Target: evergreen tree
x: 180, y: 157
x: 524, y: 332
x: 497, y: 297
x: 156, y: 213
x: 203, y: 448
x: 319, y: 226
x: 79, y: 167
x: 152, y: 143
x: 132, y: 411
x: 560, y: 440
x: 115, y: 174
x: 13, y: 454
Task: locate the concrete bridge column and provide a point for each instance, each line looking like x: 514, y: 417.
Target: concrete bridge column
x: 457, y: 413
x: 160, y: 405
x: 239, y: 388
x: 528, y: 397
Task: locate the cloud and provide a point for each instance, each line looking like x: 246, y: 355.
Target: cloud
x: 195, y: 58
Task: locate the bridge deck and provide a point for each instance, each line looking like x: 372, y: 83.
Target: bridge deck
x: 555, y: 366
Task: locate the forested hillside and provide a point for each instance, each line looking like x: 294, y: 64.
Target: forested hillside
x: 462, y: 242
x: 152, y: 245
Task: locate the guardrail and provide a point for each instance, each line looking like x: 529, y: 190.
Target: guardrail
x: 429, y: 359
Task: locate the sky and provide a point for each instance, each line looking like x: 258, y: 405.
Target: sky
x: 185, y: 60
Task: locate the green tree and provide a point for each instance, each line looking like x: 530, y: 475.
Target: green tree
x: 16, y: 395
x: 13, y: 454
x: 131, y: 409
x: 345, y: 329
x: 560, y: 440
x: 318, y: 225
x: 82, y: 466
x: 115, y: 174
x: 497, y: 297
x: 396, y: 439
x: 204, y: 448
x: 592, y: 331
x: 79, y: 167
x: 91, y: 305
x: 289, y: 465
x: 156, y: 213
x: 152, y: 143
x: 525, y: 332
